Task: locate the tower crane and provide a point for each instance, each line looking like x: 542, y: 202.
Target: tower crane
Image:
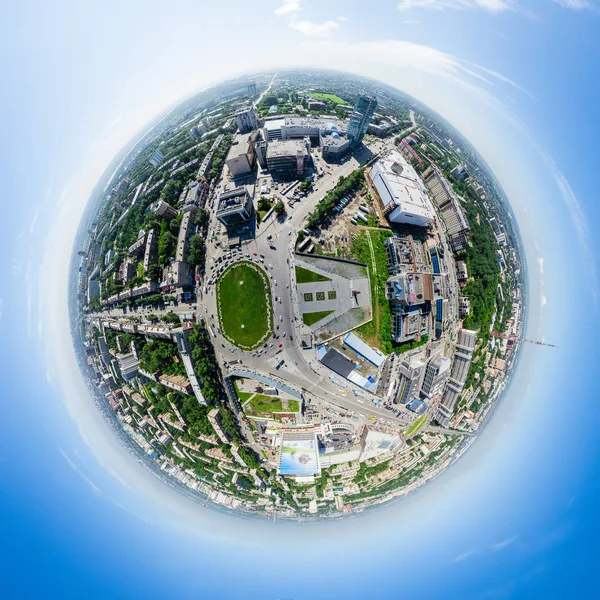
x: 505, y: 336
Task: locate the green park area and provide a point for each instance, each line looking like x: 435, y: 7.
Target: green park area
x: 416, y: 425
x: 244, y: 303
x: 311, y: 318
x: 305, y: 276
x: 331, y: 97
x: 260, y: 404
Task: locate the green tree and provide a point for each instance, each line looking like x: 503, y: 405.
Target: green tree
x: 197, y: 249
x: 167, y: 243
x: 279, y: 207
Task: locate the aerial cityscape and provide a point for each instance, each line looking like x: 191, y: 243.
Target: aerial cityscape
x: 299, y: 294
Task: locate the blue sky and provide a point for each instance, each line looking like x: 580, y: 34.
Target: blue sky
x: 516, y: 517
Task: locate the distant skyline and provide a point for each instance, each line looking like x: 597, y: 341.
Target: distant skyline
x: 515, y: 517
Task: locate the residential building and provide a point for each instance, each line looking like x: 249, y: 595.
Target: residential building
x: 316, y: 104
x: 109, y: 256
x: 157, y: 158
x: 409, y: 382
x: 404, y: 254
x: 459, y: 172
x: 127, y: 272
x: 400, y: 192
x: 464, y: 306
x: 498, y: 231
x: 410, y: 289
x: 128, y: 365
x: 461, y: 362
x: 241, y: 158
x: 246, y: 119
x: 251, y: 90
x: 234, y: 207
x: 137, y: 248
x: 93, y: 290
x: 183, y: 237
x: 151, y: 249
x: 165, y: 210
x: 436, y: 374
x: 462, y: 274
x: 361, y: 117
x: 260, y: 149
x: 410, y: 296
x: 177, y: 383
x: 374, y: 443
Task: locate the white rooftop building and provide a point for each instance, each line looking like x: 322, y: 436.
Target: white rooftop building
x: 401, y: 192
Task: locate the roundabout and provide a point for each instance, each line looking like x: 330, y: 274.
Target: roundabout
x: 244, y: 305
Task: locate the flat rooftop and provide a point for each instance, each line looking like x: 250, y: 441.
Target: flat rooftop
x: 274, y: 124
x: 394, y: 177
x: 232, y: 201
x: 279, y: 148
x: 239, y: 146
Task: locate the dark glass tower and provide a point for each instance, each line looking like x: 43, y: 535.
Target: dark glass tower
x: 361, y: 117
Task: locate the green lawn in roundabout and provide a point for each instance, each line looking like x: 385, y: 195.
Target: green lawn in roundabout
x: 244, y: 304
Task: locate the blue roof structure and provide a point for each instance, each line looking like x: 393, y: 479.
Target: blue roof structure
x: 373, y: 356
x: 417, y: 406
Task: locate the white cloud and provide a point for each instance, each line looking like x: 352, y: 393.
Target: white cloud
x: 463, y: 556
x: 288, y: 7
x: 291, y: 10
x: 575, y: 4
x: 504, y: 544
x: 504, y: 79
x: 493, y: 6
x: 311, y: 29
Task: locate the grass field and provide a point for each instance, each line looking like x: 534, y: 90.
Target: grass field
x: 416, y: 425
x: 332, y: 97
x: 243, y: 396
x: 263, y: 405
x: 266, y: 405
x: 311, y: 318
x: 305, y: 276
x: 244, y: 300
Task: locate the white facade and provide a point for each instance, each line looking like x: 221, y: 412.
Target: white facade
x: 246, y: 120
x: 401, y: 191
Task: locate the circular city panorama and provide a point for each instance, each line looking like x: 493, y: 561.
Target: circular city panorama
x: 301, y: 295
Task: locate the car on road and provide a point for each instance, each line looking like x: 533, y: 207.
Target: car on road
x: 280, y: 346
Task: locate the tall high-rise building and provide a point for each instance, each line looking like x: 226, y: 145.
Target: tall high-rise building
x: 460, y: 369
x: 361, y: 117
x: 409, y: 382
x: 252, y: 90
x: 246, y: 119
x: 436, y: 374
x: 157, y: 158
